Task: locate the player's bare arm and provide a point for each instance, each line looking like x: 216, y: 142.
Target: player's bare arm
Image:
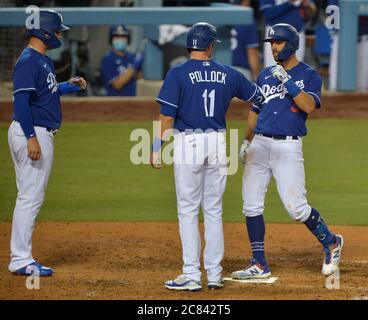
x: 310, y: 8
x: 249, y: 135
x: 253, y: 58
x: 122, y: 80
x: 133, y: 71
x: 166, y: 124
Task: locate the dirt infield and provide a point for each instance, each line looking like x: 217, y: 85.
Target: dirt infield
x: 116, y: 260
x: 118, y: 109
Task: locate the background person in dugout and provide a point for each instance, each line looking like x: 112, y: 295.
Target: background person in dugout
x: 361, y: 60
x: 37, y: 117
x: 120, y: 69
x: 293, y: 12
x: 245, y: 47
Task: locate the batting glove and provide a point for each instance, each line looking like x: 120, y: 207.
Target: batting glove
x: 280, y: 73
x: 243, y: 150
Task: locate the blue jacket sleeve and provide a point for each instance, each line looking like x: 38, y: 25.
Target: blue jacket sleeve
x: 23, y: 114
x: 276, y: 11
x: 66, y: 87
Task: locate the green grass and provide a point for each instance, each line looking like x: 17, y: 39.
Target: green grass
x: 93, y: 178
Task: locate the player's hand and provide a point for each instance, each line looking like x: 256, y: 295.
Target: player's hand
x: 279, y: 72
x: 79, y: 81
x: 243, y: 150
x: 155, y: 160
x: 34, y: 149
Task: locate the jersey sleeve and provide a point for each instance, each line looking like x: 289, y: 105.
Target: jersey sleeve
x: 25, y: 76
x: 314, y: 87
x: 255, y: 108
x: 169, y: 95
x: 108, y: 71
x: 265, y: 4
x: 245, y: 89
x: 251, y: 38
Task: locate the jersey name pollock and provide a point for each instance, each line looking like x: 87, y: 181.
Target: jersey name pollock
x: 204, y: 76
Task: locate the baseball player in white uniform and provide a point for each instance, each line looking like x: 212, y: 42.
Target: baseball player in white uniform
x: 194, y: 100
x: 273, y: 148
x: 37, y: 118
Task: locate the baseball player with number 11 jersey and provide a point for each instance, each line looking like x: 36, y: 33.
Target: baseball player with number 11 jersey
x: 194, y: 100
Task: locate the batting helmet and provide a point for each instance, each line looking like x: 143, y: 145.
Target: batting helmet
x: 284, y: 32
x: 120, y: 30
x: 50, y: 22
x: 201, y: 35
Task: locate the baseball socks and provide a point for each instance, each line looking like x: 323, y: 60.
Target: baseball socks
x: 319, y: 228
x: 256, y: 233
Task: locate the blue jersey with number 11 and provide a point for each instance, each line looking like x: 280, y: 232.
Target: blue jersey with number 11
x: 197, y: 94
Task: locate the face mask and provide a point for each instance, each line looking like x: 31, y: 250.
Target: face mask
x: 120, y: 44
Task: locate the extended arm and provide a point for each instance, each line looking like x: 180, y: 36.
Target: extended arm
x: 253, y: 58
x: 249, y: 134
x: 310, y: 8
x: 166, y: 123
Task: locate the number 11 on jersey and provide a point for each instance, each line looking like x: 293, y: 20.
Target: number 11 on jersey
x: 211, y: 97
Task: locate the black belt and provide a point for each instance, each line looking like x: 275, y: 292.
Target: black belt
x: 278, y: 137
x: 52, y: 130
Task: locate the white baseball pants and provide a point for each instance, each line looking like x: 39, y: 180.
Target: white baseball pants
x: 282, y: 159
x: 31, y: 178
x: 200, y: 177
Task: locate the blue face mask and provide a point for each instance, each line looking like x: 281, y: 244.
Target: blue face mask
x: 120, y: 44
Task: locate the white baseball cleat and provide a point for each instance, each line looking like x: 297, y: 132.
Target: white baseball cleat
x: 183, y: 283
x: 332, y: 259
x: 216, y: 284
x: 254, y: 271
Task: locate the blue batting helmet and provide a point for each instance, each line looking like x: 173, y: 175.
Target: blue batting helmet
x: 201, y: 35
x: 50, y: 22
x: 120, y: 30
x: 284, y: 32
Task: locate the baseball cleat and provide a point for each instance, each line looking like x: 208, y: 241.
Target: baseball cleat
x: 183, y: 283
x: 215, y: 284
x: 254, y: 271
x: 34, y: 268
x: 333, y: 255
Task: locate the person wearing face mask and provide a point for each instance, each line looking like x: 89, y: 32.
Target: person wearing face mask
x: 119, y: 68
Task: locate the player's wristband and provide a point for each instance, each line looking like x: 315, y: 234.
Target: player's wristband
x: 157, y: 144
x: 292, y: 88
x: 67, y: 87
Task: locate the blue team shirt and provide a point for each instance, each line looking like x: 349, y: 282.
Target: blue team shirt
x: 197, y: 94
x: 243, y: 37
x: 291, y: 14
x: 111, y: 66
x: 279, y: 114
x: 35, y: 73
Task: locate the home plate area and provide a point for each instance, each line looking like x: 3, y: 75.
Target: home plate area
x: 266, y: 280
